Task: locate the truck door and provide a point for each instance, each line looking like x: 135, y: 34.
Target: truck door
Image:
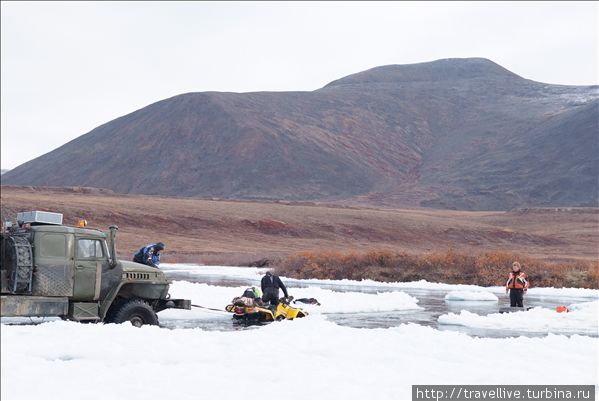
x: 53, y: 266
x: 90, y: 255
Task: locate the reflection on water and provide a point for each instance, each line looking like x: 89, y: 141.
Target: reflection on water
x: 431, y: 300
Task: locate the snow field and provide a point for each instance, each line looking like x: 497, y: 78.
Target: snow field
x: 582, y: 317
x: 471, y: 296
x: 253, y: 273
x: 332, y: 302
x: 310, y: 358
x: 306, y: 358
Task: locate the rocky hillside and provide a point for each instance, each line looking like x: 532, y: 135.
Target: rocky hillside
x: 454, y: 133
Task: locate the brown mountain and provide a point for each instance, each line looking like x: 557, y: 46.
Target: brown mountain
x: 454, y: 133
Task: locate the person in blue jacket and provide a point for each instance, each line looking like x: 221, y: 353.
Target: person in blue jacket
x: 149, y: 254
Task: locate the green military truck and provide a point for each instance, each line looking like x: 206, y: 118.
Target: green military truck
x: 50, y: 269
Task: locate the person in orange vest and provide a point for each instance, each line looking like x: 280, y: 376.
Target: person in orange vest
x: 517, y: 284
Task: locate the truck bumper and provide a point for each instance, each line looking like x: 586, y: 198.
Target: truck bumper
x: 163, y: 304
x: 22, y: 305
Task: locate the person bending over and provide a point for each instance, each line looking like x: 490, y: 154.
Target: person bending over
x: 149, y: 255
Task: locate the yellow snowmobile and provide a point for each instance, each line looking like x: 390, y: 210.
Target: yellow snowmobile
x: 251, y: 310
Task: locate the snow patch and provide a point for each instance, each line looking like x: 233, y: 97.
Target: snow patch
x: 471, y: 296
x: 426, y: 285
x: 229, y: 271
x: 254, y: 273
x: 217, y: 297
x: 581, y: 319
x: 352, y: 302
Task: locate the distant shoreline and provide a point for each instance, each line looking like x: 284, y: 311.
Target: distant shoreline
x: 268, y: 233
x: 485, y: 269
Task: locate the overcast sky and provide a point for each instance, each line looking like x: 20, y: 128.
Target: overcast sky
x: 68, y: 67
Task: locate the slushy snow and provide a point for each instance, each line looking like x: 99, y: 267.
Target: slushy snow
x: 471, y: 296
x: 299, y: 359
x: 581, y: 318
x: 229, y: 271
x: 216, y: 297
x: 253, y: 273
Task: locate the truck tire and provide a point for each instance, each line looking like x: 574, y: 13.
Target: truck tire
x: 20, y: 264
x: 25, y: 267
x: 136, y: 311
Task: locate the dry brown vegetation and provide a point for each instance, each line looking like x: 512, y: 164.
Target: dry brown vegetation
x: 486, y: 269
x: 555, y: 244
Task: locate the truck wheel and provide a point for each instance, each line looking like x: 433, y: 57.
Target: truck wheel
x: 24, y: 269
x: 137, y: 312
x: 20, y: 266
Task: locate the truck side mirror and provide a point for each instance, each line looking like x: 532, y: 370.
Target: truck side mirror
x: 113, y: 260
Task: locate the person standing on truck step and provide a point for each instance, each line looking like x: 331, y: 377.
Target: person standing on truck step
x: 270, y: 288
x: 516, y: 284
x: 149, y: 255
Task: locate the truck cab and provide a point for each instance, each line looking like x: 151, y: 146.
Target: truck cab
x: 50, y: 269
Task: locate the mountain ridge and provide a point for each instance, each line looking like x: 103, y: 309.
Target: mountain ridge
x: 384, y: 136
x: 452, y: 68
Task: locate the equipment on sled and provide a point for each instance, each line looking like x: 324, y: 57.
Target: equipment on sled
x: 311, y: 301
x: 510, y: 309
x: 253, y: 309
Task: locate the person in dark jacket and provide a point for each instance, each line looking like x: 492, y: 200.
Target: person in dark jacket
x: 149, y: 255
x: 517, y: 285
x: 270, y: 288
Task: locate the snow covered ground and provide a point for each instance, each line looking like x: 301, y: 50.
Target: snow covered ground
x: 471, y: 296
x: 252, y: 273
x: 309, y: 358
x: 331, y: 302
x: 581, y: 318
